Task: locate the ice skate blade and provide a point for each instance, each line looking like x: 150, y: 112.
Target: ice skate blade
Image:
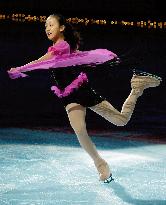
x: 142, y: 73
x: 110, y: 179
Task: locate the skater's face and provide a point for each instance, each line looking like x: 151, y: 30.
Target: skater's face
x: 53, y: 29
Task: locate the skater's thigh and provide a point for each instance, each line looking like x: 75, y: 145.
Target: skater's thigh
x: 76, y: 114
x: 74, y: 106
x: 104, y: 107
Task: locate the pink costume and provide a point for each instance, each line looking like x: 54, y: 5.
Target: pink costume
x: 63, y: 58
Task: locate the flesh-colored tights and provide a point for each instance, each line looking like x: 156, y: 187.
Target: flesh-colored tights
x: 77, y: 113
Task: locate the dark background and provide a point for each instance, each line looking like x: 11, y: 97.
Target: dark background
x: 118, y: 8
x: 29, y: 102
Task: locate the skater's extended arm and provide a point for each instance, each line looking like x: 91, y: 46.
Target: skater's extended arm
x: 47, y: 56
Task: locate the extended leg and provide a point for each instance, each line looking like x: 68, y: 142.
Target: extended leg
x: 138, y: 84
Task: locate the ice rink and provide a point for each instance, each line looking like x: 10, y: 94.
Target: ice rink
x: 39, y: 167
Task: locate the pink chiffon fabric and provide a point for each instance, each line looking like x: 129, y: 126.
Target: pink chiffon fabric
x: 75, y: 84
x: 63, y: 58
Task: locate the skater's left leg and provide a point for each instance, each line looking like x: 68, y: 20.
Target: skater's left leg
x: 106, y: 110
x: 138, y: 84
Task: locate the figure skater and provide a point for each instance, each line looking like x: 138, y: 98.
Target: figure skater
x: 68, y: 66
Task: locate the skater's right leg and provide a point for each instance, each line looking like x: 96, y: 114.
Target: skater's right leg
x: 76, y: 114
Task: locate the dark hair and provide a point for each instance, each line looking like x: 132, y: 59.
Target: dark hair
x: 70, y: 34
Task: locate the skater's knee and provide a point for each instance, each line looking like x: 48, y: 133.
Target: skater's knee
x: 121, y: 122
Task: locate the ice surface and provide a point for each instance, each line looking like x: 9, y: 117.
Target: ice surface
x: 50, y: 168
